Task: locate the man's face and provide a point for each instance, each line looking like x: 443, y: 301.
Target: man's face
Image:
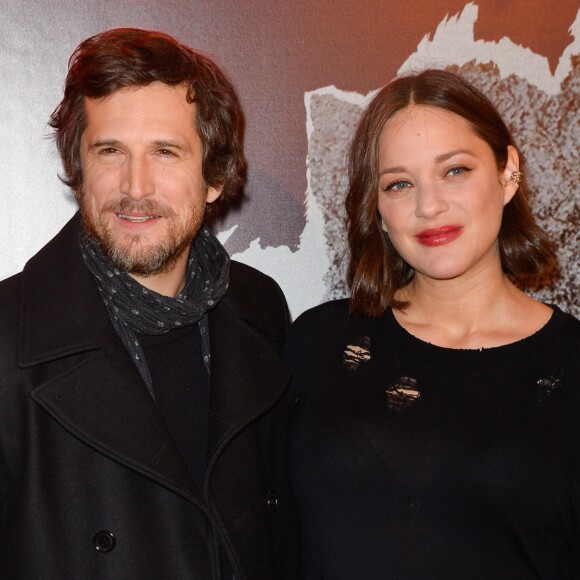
x: 143, y: 195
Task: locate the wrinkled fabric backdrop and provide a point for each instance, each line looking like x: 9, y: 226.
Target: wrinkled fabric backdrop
x: 304, y: 70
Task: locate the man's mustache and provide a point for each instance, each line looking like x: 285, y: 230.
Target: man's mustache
x: 145, y: 206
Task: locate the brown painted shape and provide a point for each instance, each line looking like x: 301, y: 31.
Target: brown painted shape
x: 542, y: 27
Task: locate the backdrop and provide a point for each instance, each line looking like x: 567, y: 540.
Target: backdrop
x: 304, y: 69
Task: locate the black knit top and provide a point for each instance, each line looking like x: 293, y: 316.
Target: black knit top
x: 411, y: 461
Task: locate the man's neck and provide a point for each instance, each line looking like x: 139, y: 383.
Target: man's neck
x: 166, y: 283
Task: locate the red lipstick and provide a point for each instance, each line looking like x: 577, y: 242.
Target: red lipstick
x: 439, y: 236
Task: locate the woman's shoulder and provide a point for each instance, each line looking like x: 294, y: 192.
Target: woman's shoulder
x: 572, y: 320
x: 564, y: 325
x: 323, y: 332
x: 331, y: 319
x: 319, y: 323
x: 323, y: 313
x: 569, y: 340
x: 313, y: 329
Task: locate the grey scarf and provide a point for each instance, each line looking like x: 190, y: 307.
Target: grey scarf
x: 135, y: 309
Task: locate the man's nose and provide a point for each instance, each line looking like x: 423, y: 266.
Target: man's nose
x: 137, y: 179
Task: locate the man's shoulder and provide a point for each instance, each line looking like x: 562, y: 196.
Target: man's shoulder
x: 10, y: 287
x: 258, y: 299
x: 242, y: 275
x: 52, y: 258
x: 10, y: 293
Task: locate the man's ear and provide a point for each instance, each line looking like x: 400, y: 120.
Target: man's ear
x: 213, y: 193
x: 511, y: 175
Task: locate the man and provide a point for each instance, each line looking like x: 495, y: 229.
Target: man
x: 140, y: 384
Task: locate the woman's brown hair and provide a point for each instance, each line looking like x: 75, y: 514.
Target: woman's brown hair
x: 376, y: 271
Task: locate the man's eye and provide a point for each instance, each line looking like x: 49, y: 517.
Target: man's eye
x: 108, y: 151
x: 166, y: 152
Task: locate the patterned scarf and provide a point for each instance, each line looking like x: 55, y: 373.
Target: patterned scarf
x: 136, y: 309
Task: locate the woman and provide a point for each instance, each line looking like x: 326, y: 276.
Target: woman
x: 436, y: 427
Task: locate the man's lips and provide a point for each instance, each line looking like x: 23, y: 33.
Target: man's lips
x: 136, y: 219
x: 439, y: 236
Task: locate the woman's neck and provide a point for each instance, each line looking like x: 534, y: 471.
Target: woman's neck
x: 478, y: 312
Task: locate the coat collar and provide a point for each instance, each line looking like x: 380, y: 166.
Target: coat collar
x: 100, y: 397
x: 61, y: 310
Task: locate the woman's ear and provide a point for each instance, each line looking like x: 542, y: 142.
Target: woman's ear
x: 511, y: 176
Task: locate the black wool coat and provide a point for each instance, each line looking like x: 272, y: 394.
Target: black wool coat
x: 91, y: 483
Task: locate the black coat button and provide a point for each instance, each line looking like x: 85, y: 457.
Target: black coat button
x: 272, y: 501
x: 104, y: 541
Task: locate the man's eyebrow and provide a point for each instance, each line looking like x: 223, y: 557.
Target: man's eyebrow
x: 160, y: 143
x: 104, y: 143
x: 170, y: 144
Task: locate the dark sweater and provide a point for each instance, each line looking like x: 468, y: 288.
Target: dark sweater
x: 411, y: 461
x: 181, y: 387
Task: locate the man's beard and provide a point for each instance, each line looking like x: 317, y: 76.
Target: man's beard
x: 130, y: 252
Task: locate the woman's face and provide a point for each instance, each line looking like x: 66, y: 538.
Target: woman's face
x: 441, y: 196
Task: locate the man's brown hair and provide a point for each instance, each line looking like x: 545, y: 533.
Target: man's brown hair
x: 129, y: 57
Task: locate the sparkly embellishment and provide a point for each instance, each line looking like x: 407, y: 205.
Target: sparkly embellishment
x: 402, y: 394
x: 516, y: 177
x: 357, y: 353
x: 545, y: 387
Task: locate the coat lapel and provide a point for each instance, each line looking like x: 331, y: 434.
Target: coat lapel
x: 247, y: 376
x: 87, y: 381
x: 103, y: 401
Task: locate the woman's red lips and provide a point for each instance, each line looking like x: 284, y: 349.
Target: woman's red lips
x: 439, y: 236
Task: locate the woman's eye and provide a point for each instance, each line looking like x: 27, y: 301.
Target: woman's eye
x: 397, y: 185
x: 459, y: 170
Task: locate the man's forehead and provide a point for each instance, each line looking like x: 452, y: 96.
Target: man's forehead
x: 154, y: 106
